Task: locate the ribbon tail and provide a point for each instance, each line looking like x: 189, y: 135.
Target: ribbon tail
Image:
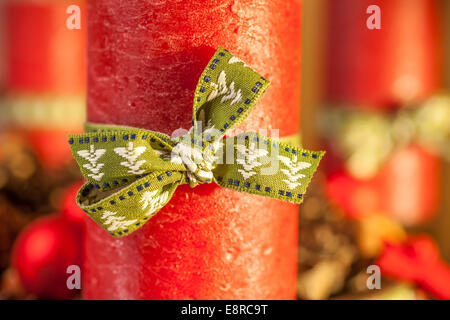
x: 124, y: 210
x: 266, y: 167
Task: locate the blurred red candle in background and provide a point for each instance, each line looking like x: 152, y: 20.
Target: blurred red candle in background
x: 145, y: 58
x: 44, y: 74
x: 44, y: 56
x: 405, y: 188
x: 383, y: 69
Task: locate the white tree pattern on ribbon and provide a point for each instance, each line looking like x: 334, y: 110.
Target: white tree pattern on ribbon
x: 114, y: 222
x: 222, y: 89
x: 152, y: 202
x: 237, y: 60
x: 131, y: 154
x: 293, y: 172
x: 248, y: 159
x: 94, y: 166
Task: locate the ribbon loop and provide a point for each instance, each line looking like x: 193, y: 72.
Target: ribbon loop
x: 132, y: 173
x: 122, y: 212
x: 226, y: 92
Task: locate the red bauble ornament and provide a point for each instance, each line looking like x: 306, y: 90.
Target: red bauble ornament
x: 42, y: 254
x: 70, y: 211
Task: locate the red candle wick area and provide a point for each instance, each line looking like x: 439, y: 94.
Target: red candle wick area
x: 206, y: 243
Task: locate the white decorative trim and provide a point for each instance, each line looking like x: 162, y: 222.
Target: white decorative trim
x: 35, y: 111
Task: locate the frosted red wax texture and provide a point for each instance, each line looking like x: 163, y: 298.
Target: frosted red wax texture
x: 208, y: 242
x: 382, y: 68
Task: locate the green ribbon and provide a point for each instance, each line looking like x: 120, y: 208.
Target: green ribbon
x: 132, y: 173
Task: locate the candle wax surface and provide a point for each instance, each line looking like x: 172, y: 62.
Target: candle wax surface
x: 145, y: 58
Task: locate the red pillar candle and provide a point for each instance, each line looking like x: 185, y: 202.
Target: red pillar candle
x: 384, y: 69
x: 207, y: 243
x: 43, y: 55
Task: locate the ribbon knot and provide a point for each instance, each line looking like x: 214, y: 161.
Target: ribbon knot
x: 199, y: 162
x: 132, y: 173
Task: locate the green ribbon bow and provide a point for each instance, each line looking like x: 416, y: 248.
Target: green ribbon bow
x: 132, y: 173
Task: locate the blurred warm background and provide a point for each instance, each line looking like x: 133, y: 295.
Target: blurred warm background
x: 376, y: 100
x: 42, y: 99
